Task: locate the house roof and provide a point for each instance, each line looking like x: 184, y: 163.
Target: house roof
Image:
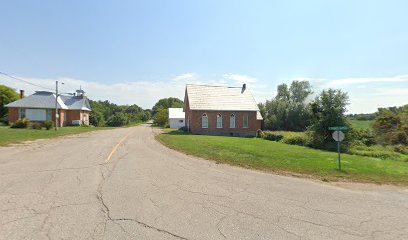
x: 43, y: 99
x: 76, y: 102
x: 176, y: 113
x: 220, y: 98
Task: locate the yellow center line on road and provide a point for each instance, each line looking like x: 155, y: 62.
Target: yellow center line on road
x: 116, y: 147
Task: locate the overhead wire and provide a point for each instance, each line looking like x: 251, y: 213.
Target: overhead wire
x: 25, y: 81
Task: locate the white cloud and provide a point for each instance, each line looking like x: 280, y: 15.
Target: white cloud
x: 239, y: 78
x: 350, y: 81
x: 186, y: 77
x: 145, y: 94
x: 368, y: 94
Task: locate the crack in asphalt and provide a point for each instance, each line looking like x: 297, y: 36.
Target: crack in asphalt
x: 150, y: 226
x: 106, y: 210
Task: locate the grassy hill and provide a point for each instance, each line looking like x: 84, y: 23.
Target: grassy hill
x: 279, y: 157
x: 361, y: 124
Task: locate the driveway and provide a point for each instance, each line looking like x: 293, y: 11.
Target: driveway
x: 123, y: 184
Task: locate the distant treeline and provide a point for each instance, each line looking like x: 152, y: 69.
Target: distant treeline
x: 362, y: 116
x: 105, y: 113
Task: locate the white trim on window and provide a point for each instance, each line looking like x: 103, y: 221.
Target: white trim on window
x: 219, y: 120
x: 246, y: 121
x: 204, y: 120
x: 232, y: 120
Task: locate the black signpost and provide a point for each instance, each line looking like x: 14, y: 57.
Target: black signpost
x: 339, y: 136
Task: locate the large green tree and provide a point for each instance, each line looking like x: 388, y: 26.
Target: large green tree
x: 289, y: 110
x: 160, y: 110
x: 166, y: 103
x: 329, y: 109
x: 7, y: 95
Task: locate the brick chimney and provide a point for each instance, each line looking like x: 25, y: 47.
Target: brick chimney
x: 243, y: 88
x: 21, y: 93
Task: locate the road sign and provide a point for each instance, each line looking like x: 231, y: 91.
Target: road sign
x: 338, y: 136
x: 339, y: 128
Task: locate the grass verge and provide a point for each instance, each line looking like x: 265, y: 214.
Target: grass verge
x: 279, y: 157
x: 361, y: 124
x: 15, y: 135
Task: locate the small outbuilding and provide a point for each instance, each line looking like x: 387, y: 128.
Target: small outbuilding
x: 176, y: 118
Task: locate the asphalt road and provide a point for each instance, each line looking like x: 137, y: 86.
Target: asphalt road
x: 76, y: 188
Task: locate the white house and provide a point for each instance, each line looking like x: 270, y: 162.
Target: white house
x: 176, y: 118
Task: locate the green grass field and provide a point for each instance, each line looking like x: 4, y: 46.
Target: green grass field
x: 14, y: 135
x: 360, y: 124
x: 279, y: 157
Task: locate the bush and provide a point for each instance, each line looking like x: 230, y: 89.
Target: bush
x: 21, y: 123
x: 271, y: 136
x: 161, y: 118
x: 401, y: 149
x: 36, y: 126
x: 260, y: 134
x: 183, y: 129
x: 48, y: 125
x: 378, y: 151
x: 363, y: 136
x: 300, y: 140
x: 117, y: 120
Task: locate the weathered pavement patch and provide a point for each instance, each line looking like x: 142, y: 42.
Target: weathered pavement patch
x: 64, y: 189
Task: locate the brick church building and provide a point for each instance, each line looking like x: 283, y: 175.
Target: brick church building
x: 221, y: 110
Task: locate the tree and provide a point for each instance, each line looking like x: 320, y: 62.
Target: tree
x: 328, y: 110
x: 289, y: 110
x: 162, y: 117
x: 103, y: 111
x: 166, y: 103
x: 391, y: 125
x: 117, y: 120
x: 96, y: 119
x: 7, y: 95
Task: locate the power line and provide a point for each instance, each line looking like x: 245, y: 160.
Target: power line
x: 25, y: 81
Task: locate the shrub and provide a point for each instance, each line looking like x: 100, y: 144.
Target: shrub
x: 364, y: 136
x: 401, y: 149
x: 378, y: 151
x: 161, y: 118
x: 21, y: 123
x: 260, y: 134
x: 117, y: 120
x: 300, y: 140
x: 272, y: 136
x: 36, y: 126
x: 48, y: 125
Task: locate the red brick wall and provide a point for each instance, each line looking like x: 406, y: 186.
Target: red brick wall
x: 73, y: 115
x: 61, y: 117
x: 77, y: 115
x: 12, y: 115
x: 193, y: 120
x: 196, y: 122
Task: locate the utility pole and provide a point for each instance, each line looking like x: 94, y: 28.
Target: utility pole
x: 56, y: 105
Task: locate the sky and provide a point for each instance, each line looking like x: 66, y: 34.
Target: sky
x: 136, y: 52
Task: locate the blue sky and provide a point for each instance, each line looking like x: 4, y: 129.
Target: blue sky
x: 139, y: 51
